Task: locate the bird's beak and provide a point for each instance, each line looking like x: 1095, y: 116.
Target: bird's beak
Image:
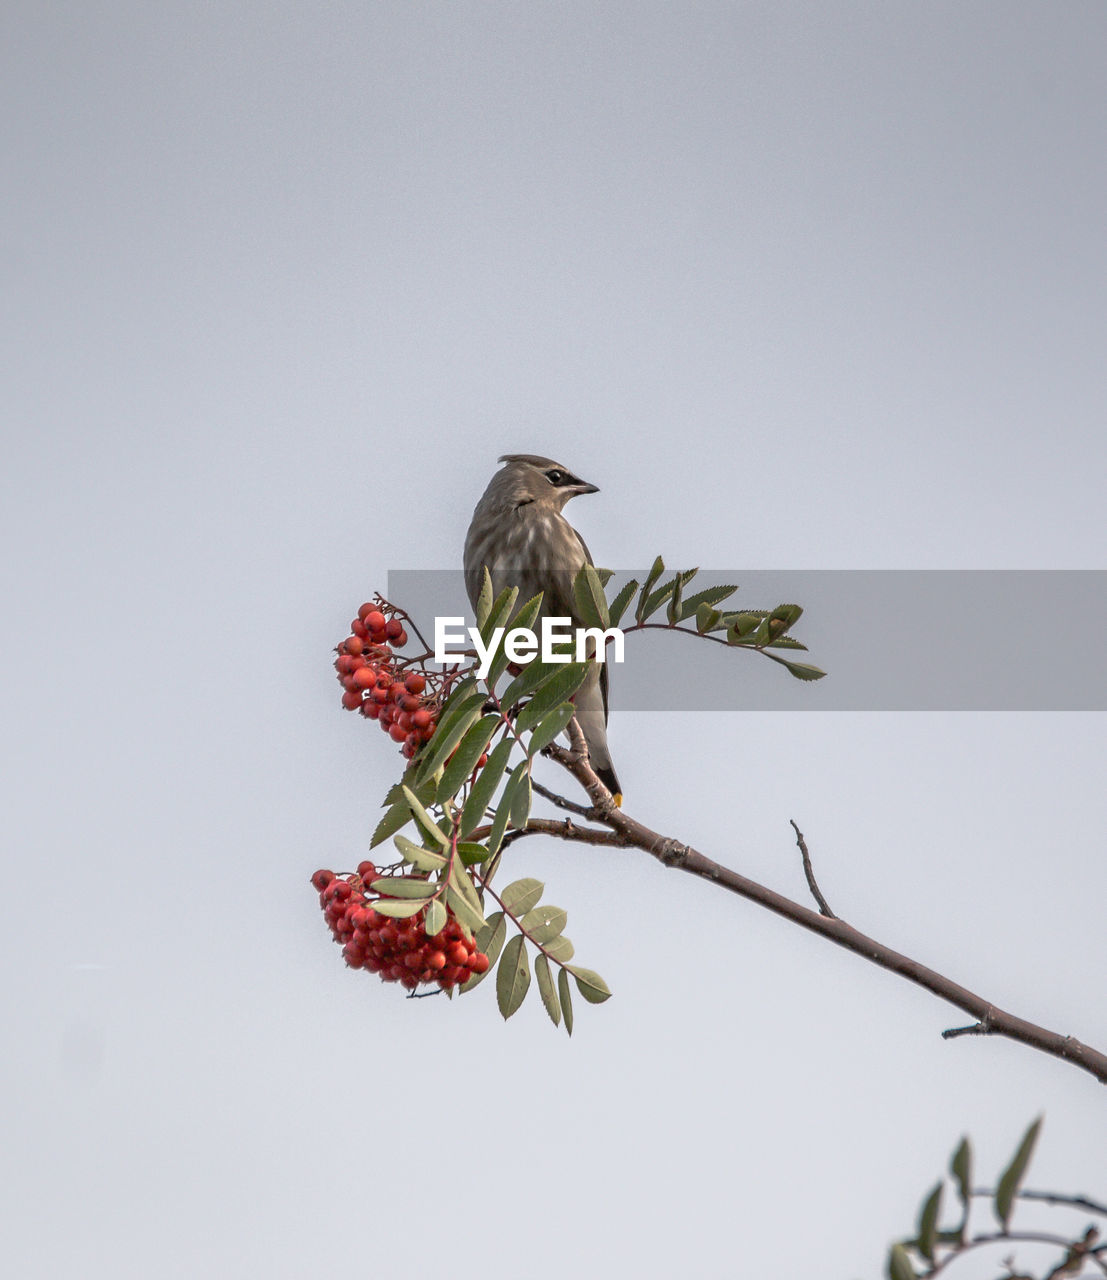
x: 584, y: 487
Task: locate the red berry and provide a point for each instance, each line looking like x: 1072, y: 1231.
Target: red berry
x: 479, y: 963
x: 415, y: 683
x: 321, y: 879
x: 365, y: 611
x: 374, y: 620
x: 364, y: 677
x: 350, y: 700
x: 393, y: 628
x: 355, y: 644
x: 421, y: 718
x: 367, y: 871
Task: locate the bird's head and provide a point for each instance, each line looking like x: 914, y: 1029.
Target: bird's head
x: 531, y: 478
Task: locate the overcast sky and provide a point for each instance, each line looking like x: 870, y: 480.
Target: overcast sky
x: 799, y: 286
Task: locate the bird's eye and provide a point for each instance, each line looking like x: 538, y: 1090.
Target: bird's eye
x: 555, y: 476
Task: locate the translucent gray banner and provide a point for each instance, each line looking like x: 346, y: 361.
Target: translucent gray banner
x: 901, y: 640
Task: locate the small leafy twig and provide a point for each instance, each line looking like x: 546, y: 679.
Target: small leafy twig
x: 938, y: 1248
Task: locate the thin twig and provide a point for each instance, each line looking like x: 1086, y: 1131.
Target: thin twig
x: 1050, y: 1197
x: 571, y: 806
x: 812, y: 884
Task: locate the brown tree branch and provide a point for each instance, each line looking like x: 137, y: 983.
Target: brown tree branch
x: 991, y: 1020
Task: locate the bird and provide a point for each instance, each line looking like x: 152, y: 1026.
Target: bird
x: 519, y: 534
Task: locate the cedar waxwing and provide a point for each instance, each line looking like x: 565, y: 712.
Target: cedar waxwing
x: 520, y: 535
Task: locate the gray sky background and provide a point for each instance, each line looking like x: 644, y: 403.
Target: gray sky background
x: 800, y: 286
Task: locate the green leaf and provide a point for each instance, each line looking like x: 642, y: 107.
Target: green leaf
x: 471, y: 855
x: 521, y: 896
x: 706, y: 618
x: 528, y: 613
x: 436, y: 918
x: 468, y: 916
x: 801, y: 670
x: 424, y: 821
x: 711, y: 596
x: 928, y: 1222
x: 503, y: 809
x: 784, y: 617
x: 590, y: 985
x: 544, y: 923
x: 786, y: 642
x: 553, y: 692
x: 546, y: 988
x: 500, y: 659
x: 740, y: 626
x: 490, y: 940
x: 961, y: 1168
x: 472, y: 814
x: 656, y: 599
x: 404, y: 887
x: 399, y: 815
x: 618, y: 606
x: 675, y: 613
x: 559, y: 949
x: 424, y: 859
x: 1012, y: 1176
x: 513, y: 976
x: 653, y: 575
x: 589, y: 598
x: 565, y: 995
x: 450, y: 732
x: 899, y: 1264
x: 484, y: 600
x: 460, y: 879
x: 520, y: 802
x: 533, y: 675
x: 469, y: 751
x: 399, y: 908
x: 549, y: 727
x: 500, y: 612
x: 425, y: 790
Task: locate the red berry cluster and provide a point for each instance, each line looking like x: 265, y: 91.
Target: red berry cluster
x: 399, y: 950
x: 375, y: 686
